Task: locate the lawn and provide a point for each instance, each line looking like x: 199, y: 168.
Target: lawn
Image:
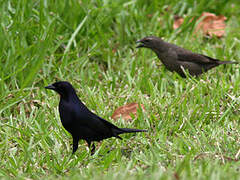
x: 193, y: 124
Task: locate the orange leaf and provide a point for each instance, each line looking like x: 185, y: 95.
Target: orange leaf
x: 210, y: 24
x: 126, y: 111
x: 177, y: 22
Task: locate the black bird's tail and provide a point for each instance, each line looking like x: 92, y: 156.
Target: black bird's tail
x: 128, y: 130
x: 119, y: 131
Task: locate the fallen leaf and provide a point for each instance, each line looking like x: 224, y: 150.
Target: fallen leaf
x: 126, y: 111
x: 176, y: 176
x: 210, y: 24
x: 115, y: 48
x: 214, y: 156
x: 177, y: 22
x: 149, y: 15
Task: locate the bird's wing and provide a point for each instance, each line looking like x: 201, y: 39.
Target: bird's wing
x: 110, y: 125
x: 115, y: 131
x: 95, y: 123
x: 197, y: 58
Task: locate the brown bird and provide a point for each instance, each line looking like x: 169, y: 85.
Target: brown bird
x: 177, y: 59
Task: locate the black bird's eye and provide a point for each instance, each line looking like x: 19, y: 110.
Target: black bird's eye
x: 147, y: 40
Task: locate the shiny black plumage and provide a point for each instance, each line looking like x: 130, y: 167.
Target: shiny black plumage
x: 80, y: 122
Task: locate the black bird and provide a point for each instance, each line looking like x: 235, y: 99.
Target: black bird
x: 80, y: 122
x: 176, y: 58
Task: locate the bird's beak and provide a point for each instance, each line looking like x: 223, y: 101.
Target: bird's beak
x: 50, y: 87
x: 141, y: 44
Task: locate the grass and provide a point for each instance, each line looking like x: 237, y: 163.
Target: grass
x: 193, y: 123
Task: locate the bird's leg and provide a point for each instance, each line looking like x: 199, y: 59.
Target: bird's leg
x: 93, y: 149
x: 75, y: 145
x: 89, y: 146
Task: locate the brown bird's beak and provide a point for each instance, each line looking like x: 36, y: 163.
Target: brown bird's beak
x: 141, y: 44
x: 50, y: 87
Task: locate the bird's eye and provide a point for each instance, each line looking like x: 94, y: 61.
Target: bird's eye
x: 147, y: 40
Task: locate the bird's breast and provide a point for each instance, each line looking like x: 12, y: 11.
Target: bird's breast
x: 169, y: 59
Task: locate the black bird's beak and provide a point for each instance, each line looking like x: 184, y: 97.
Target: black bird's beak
x: 50, y: 87
x: 141, y: 44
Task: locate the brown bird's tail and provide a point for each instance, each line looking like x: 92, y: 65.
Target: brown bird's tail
x: 228, y: 62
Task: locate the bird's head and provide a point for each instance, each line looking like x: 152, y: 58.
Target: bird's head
x: 149, y: 42
x: 63, y: 88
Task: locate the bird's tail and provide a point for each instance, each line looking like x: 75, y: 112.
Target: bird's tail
x: 128, y: 130
x: 119, y: 131
x: 228, y: 62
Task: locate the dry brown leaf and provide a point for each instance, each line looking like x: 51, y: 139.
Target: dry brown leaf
x: 126, y: 111
x: 177, y: 22
x: 176, y: 176
x: 219, y: 156
x: 149, y: 15
x: 210, y: 24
